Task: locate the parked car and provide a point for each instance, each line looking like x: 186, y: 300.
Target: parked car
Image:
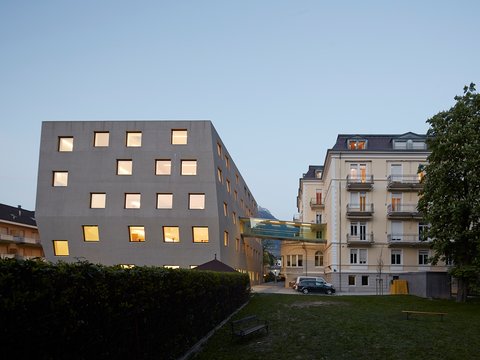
x: 307, y: 286
x: 312, y: 278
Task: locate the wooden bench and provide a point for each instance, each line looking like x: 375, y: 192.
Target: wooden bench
x: 410, y: 312
x: 248, y: 325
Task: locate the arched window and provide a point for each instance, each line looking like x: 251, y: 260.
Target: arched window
x: 319, y: 258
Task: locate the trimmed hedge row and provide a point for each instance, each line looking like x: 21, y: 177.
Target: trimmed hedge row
x: 83, y: 310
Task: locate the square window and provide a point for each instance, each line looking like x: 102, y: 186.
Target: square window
x: 364, y: 280
x: 200, y: 234
x: 98, y: 200
x: 189, y: 167
x: 101, y: 139
x: 124, y: 167
x: 136, y: 233
x: 171, y: 234
x: 60, y: 247
x: 90, y: 233
x: 196, y: 201
x: 179, y: 137
x: 60, y: 178
x: 134, y: 138
x: 351, y: 280
x: 164, y: 201
x: 225, y: 238
x: 65, y: 143
x: 132, y: 201
x: 163, y: 167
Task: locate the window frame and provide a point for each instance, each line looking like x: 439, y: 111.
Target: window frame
x: 171, y: 201
x: 60, y: 147
x: 126, y: 161
x: 157, y: 161
x: 92, y: 195
x: 95, y: 142
x: 200, y: 227
x: 173, y: 240
x: 127, y: 195
x: 174, y: 137
x: 56, y: 249
x: 138, y: 228
x: 55, y: 179
x: 128, y: 140
x: 190, y: 195
x: 182, y: 167
x: 91, y: 238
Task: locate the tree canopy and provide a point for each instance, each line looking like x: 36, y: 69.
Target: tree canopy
x: 450, y: 199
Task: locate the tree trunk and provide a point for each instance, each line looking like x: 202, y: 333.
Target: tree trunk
x: 462, y: 289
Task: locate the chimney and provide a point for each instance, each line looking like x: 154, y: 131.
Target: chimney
x: 19, y: 210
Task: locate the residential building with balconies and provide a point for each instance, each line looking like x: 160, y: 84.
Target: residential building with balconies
x: 155, y: 193
x: 365, y: 196
x: 19, y: 236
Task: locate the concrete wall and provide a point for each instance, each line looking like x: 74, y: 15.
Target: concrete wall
x: 428, y: 284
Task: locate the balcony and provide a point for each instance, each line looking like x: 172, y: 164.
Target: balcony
x: 404, y: 183
x: 317, y: 203
x: 359, y: 211
x: 19, y: 239
x: 360, y: 240
x: 359, y: 182
x: 407, y: 240
x: 403, y: 212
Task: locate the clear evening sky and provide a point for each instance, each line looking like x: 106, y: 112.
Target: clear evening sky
x: 279, y: 79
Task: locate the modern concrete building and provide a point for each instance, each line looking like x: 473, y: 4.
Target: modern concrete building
x: 19, y: 237
x: 162, y: 193
x: 363, y: 200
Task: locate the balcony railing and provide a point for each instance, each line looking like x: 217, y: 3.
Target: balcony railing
x: 404, y: 182
x: 19, y: 239
x: 403, y: 211
x: 416, y: 240
x: 317, y: 203
x: 359, y: 210
x: 360, y: 182
x: 362, y: 239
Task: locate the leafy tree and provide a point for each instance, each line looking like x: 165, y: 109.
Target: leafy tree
x: 450, y: 199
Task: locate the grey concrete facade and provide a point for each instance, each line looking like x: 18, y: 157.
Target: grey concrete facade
x: 62, y: 211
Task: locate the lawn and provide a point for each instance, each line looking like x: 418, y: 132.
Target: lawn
x: 352, y: 327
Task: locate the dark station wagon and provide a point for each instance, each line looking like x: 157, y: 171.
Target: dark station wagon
x: 308, y: 286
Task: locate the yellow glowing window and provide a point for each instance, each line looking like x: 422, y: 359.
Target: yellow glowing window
x: 101, y: 139
x: 137, y: 233
x: 171, y: 234
x: 90, y: 233
x: 163, y: 167
x: 60, y: 178
x: 225, y: 238
x: 219, y: 149
x: 179, y: 137
x: 98, y: 200
x: 357, y: 144
x: 124, y: 167
x: 65, y: 143
x: 200, y: 234
x: 189, y: 167
x: 60, y: 247
x: 174, y: 267
x: 127, y: 266
x: 134, y: 139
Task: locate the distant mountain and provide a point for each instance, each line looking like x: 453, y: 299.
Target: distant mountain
x: 264, y: 213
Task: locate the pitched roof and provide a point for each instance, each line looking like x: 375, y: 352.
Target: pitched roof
x: 17, y: 215
x: 215, y: 265
x: 312, y: 169
x: 375, y: 142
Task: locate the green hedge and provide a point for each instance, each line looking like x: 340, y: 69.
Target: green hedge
x: 83, y: 310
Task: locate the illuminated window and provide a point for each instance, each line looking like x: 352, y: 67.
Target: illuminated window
x: 228, y: 185
x: 124, y: 167
x: 179, y: 137
x: 164, y: 201
x: 357, y: 144
x: 225, y: 238
x: 132, y: 201
x: 189, y: 167
x: 101, y: 139
x: 171, y: 267
x: 90, y: 233
x: 200, y: 234
x: 127, y: 266
x: 234, y: 217
x: 60, y: 247
x: 163, y: 167
x: 196, y: 201
x: 60, y: 178
x: 219, y: 149
x: 98, y: 200
x: 134, y: 138
x: 171, y: 234
x: 65, y: 143
x: 225, y: 209
x: 219, y: 175
x: 137, y: 233
x: 193, y: 266
x: 227, y: 161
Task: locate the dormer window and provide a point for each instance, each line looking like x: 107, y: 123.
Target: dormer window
x: 318, y: 174
x: 357, y: 144
x: 409, y: 144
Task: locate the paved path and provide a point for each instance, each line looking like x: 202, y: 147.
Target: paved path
x: 279, y: 288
